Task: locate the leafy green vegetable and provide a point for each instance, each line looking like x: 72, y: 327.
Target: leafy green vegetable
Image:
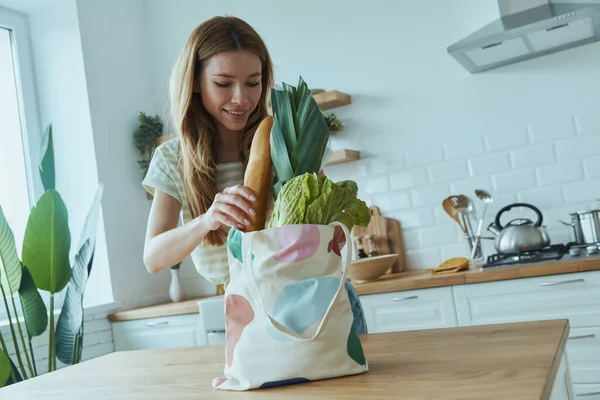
x: 307, y: 199
x: 299, y: 135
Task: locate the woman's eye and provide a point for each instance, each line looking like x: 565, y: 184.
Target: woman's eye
x: 222, y: 84
x: 254, y: 84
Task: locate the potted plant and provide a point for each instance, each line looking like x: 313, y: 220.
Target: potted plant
x: 334, y: 124
x: 45, y: 265
x: 146, y: 138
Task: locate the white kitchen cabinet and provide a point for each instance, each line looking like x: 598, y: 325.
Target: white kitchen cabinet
x: 574, y: 296
x: 587, y: 392
x: 409, y: 310
x: 563, y: 386
x: 156, y: 333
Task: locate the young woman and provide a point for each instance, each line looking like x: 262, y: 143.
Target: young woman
x: 218, y: 93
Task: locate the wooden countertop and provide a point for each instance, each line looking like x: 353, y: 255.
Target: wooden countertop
x: 506, y: 361
x: 410, y: 280
x: 421, y: 279
x: 158, y: 310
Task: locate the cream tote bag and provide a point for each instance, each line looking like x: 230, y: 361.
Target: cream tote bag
x: 287, y: 314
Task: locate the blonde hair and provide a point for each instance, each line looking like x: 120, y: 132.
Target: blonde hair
x: 195, y: 127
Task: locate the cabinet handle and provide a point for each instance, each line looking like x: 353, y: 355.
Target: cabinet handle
x: 589, y: 336
x: 405, y: 298
x: 157, y: 323
x: 588, y: 394
x: 561, y: 282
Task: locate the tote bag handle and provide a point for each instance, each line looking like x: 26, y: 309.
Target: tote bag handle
x: 345, y: 271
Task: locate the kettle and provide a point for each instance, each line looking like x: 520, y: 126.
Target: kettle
x: 519, y: 235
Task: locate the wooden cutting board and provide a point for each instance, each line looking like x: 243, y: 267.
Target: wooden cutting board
x: 386, y: 237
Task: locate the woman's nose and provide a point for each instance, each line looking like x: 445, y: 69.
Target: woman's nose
x: 240, y: 95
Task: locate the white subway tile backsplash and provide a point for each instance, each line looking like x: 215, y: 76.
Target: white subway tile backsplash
x: 515, y: 180
x: 501, y: 141
x: 448, y: 172
x: 378, y: 185
x: 415, y: 217
x: 455, y: 250
x: 591, y: 166
x: 401, y: 200
x: 550, y: 160
x: 437, y: 236
x: 430, y: 195
x: 533, y: 156
x: 542, y: 198
x: 563, y: 172
x: 583, y: 191
x: 588, y: 121
x: 468, y: 186
x: 380, y: 166
x: 457, y: 149
x: 410, y: 238
x: 490, y: 164
x: 421, y: 156
x: 549, y: 128
x: 577, y: 147
x: 408, y: 179
x: 423, y: 258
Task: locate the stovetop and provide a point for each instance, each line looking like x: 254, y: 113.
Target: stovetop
x: 550, y: 253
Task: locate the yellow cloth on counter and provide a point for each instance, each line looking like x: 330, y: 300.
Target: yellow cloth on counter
x: 451, y: 265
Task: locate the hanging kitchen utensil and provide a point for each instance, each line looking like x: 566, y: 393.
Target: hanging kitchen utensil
x: 453, y: 213
x: 487, y: 199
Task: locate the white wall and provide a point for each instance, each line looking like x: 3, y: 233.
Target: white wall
x: 119, y: 82
x: 425, y: 126
x: 63, y: 101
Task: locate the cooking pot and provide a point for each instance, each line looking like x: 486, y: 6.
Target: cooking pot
x: 521, y: 234
x: 586, y: 226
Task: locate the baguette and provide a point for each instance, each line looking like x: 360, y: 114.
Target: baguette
x: 258, y: 173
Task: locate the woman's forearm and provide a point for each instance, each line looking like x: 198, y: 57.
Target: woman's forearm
x: 173, y: 246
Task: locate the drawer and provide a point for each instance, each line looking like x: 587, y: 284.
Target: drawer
x: 409, y: 310
x: 156, y: 333
x: 587, y: 392
x: 574, y: 296
x: 583, y: 351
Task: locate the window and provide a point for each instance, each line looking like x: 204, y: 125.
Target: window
x: 19, y: 127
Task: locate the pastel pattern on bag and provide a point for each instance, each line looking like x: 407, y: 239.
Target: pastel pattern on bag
x: 302, y: 304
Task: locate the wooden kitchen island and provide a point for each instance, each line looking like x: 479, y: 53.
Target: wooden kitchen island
x: 507, y: 361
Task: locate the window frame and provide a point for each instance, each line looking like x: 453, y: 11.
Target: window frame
x: 31, y: 135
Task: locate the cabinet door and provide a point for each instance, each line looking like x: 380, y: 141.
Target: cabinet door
x: 409, y: 310
x: 156, y: 333
x: 575, y: 296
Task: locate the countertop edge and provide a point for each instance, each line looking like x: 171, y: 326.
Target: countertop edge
x: 409, y: 280
x: 560, y: 351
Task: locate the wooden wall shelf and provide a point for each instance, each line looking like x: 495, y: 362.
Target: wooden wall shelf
x: 343, y: 156
x: 332, y: 99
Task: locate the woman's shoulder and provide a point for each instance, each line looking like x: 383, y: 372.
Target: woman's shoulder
x: 170, y: 148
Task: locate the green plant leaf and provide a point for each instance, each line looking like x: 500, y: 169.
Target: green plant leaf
x: 34, y: 309
x: 5, y: 368
x: 47, y: 243
x: 10, y: 266
x: 70, y: 321
x: 47, y: 172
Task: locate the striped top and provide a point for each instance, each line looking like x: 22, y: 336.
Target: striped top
x: 210, y: 261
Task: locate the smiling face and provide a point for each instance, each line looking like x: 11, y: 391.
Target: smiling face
x: 230, y: 85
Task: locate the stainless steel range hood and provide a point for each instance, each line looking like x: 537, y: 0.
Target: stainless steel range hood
x: 528, y: 29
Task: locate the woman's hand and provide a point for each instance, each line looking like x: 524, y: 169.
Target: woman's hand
x: 231, y: 208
